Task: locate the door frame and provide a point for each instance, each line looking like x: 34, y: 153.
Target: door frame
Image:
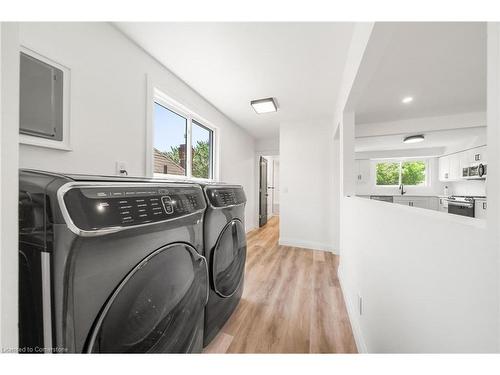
x: 257, y: 179
x: 263, y: 209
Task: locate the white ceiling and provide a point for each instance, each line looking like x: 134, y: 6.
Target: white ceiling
x: 230, y: 64
x: 441, y: 64
x: 448, y: 139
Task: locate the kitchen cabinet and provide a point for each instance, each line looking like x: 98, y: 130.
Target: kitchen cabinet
x: 442, y: 204
x: 362, y: 169
x: 451, y: 166
x: 444, y: 168
x: 421, y: 202
x: 479, y: 155
x: 480, y: 207
x: 455, y: 173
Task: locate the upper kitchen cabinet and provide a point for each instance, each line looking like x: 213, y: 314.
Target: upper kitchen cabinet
x: 479, y: 155
x: 444, y: 168
x: 454, y: 167
x: 362, y: 169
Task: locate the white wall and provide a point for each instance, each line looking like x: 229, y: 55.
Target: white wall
x: 108, y: 106
x: 268, y: 146
x: 9, y: 191
x: 426, y: 279
x: 276, y: 182
x: 493, y: 105
x: 436, y: 291
x: 422, y: 124
x: 306, y: 182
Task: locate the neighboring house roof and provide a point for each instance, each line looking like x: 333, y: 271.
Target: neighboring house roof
x: 161, y: 161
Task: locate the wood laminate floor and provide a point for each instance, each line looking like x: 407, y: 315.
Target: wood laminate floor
x: 292, y: 302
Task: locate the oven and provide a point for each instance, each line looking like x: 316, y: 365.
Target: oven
x: 463, y: 206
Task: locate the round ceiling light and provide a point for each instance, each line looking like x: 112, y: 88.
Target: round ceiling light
x: 414, y: 138
x: 407, y: 100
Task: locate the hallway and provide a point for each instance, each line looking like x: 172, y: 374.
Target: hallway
x: 292, y: 302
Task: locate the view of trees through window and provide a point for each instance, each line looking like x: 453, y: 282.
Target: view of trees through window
x: 170, y: 144
x: 404, y: 172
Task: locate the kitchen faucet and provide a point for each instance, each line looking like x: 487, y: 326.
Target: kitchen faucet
x: 401, y: 187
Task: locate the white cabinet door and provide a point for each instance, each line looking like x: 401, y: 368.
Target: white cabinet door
x: 422, y: 202
x: 433, y: 203
x: 362, y: 168
x: 465, y: 161
x: 443, y: 205
x: 455, y: 172
x: 479, y: 155
x: 480, y: 209
x: 401, y: 200
x: 444, y: 168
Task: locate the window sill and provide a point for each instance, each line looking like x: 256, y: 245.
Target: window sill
x: 45, y: 143
x: 181, y: 178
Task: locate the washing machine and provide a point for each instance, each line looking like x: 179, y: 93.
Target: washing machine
x: 110, y: 265
x: 225, y: 251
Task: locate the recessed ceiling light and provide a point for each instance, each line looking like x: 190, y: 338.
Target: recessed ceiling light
x: 407, y: 99
x: 414, y: 138
x: 264, y: 105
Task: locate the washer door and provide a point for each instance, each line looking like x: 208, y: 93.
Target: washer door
x: 157, y: 307
x: 228, y: 259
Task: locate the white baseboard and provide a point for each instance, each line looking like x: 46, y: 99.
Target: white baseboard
x: 352, y: 313
x: 306, y: 244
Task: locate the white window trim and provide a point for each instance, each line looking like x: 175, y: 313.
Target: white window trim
x: 65, y: 144
x: 401, y: 161
x: 161, y: 97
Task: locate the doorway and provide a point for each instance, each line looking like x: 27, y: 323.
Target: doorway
x: 268, y: 188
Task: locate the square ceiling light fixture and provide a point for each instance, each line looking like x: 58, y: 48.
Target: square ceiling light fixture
x: 264, y: 105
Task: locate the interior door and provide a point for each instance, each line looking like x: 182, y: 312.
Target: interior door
x: 263, y: 192
x: 157, y: 308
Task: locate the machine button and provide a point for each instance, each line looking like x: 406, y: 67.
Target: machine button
x: 167, y: 204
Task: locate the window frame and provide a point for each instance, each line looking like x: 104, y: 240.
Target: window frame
x: 65, y: 143
x: 166, y: 101
x: 400, y: 161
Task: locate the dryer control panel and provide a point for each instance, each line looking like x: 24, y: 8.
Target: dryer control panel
x: 225, y: 196
x: 99, y: 207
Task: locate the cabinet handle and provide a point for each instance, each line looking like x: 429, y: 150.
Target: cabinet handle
x: 484, y: 205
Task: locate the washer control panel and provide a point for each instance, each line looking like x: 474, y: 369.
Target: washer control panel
x: 94, y: 208
x: 225, y: 196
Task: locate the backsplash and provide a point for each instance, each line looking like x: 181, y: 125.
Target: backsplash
x: 473, y: 187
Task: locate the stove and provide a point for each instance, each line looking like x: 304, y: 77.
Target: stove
x: 461, y: 205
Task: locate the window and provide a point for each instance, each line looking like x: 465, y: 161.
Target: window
x: 170, y: 130
x: 202, y: 151
x: 43, y: 101
x: 407, y: 172
x: 175, y: 132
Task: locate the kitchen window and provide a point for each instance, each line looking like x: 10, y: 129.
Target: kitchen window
x: 175, y: 131
x: 397, y: 172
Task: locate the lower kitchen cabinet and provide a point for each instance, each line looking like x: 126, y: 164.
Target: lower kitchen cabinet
x: 442, y: 205
x: 430, y: 203
x: 480, y: 209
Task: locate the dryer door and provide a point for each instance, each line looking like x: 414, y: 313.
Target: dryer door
x: 228, y: 259
x: 158, y: 307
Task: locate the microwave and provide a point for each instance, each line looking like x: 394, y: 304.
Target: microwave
x: 476, y: 171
